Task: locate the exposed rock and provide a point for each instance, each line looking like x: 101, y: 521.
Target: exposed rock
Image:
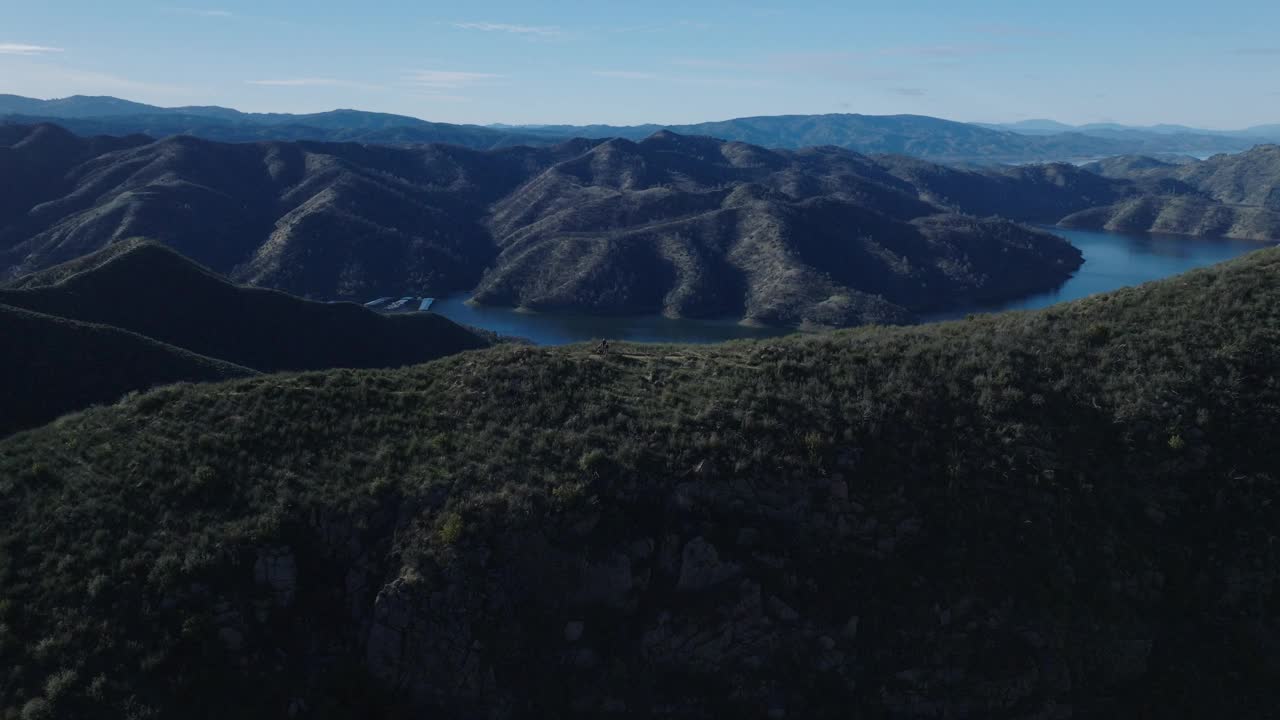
x: 781, y: 610
x: 839, y: 490
x: 607, y: 582
x: 700, y: 566
x: 850, y: 631
x: 276, y: 568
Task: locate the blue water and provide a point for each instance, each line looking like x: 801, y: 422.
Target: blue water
x: 560, y: 328
x: 1115, y: 260
x: 1112, y: 261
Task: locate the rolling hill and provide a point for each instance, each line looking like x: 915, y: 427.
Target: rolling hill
x: 1249, y: 178
x: 1225, y: 195
x: 1062, y: 513
x: 149, y: 289
x: 137, y: 314
x: 53, y: 366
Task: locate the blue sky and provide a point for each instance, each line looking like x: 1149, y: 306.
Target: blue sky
x: 1133, y: 61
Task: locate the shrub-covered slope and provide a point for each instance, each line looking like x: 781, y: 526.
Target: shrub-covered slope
x: 696, y: 226
x: 1063, y: 513
x: 144, y: 287
x: 1225, y: 195
x: 1249, y: 178
x: 1183, y: 215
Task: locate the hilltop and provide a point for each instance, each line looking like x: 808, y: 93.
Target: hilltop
x: 137, y: 314
x: 672, y: 224
x: 1067, y: 512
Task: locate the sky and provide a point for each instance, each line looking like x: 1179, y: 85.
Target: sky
x: 1141, y: 62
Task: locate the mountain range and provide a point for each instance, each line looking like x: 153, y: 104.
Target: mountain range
x: 136, y: 314
x: 927, y: 137
x: 672, y: 224
x: 1063, y: 513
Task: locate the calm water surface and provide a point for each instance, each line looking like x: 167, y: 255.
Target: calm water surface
x: 1112, y: 261
x: 1115, y: 260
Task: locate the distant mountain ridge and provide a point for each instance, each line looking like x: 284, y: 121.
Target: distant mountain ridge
x: 921, y: 136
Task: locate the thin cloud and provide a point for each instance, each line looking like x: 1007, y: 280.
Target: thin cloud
x: 539, y: 30
x: 943, y: 51
x: 448, y: 79
x: 312, y: 82
x: 61, y: 81
x: 1012, y: 30
x: 624, y: 74
x: 29, y: 50
x: 705, y: 64
x: 1258, y: 51
x: 203, y: 12
x: 908, y: 91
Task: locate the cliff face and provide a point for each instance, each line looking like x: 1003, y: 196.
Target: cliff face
x: 1061, y: 513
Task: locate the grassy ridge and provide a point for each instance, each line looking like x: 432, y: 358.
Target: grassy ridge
x: 150, y: 289
x: 1019, y: 515
x: 136, y: 315
x: 53, y: 366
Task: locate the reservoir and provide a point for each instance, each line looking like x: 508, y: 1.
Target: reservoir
x: 1112, y: 261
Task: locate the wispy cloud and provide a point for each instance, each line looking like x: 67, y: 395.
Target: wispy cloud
x: 943, y: 50
x: 1258, y: 51
x: 20, y: 49
x: 204, y: 12
x: 538, y: 30
x: 625, y: 74
x: 311, y: 82
x: 1012, y: 30
x: 908, y: 91
x: 708, y: 64
x: 43, y: 79
x: 448, y: 79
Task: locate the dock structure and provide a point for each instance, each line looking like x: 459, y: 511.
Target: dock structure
x: 376, y: 303
x: 425, y: 305
x: 400, y: 303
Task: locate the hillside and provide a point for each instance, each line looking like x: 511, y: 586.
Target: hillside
x: 1233, y: 195
x: 1061, y: 513
x: 149, y: 289
x: 673, y: 224
x: 1250, y: 178
x: 1180, y: 215
x: 707, y: 228
x: 52, y: 366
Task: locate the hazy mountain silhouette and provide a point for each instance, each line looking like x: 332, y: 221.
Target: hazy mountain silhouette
x: 927, y: 137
